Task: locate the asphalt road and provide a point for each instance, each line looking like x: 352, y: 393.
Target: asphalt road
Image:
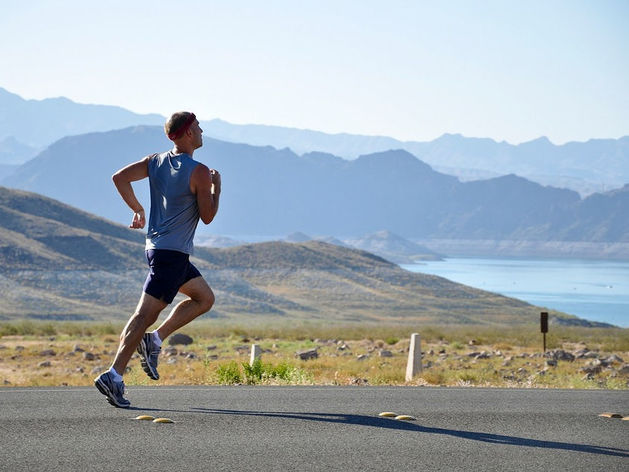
x: 314, y: 428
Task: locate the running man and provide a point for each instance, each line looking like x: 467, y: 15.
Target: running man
x: 182, y: 192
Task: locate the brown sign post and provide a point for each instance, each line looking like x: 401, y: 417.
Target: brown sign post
x: 544, y: 325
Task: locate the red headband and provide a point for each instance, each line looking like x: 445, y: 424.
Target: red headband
x: 183, y: 128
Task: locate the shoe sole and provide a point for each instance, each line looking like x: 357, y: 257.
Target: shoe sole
x: 143, y: 351
x: 102, y: 388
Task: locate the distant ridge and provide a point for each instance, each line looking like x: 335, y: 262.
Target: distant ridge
x: 269, y: 192
x: 593, y: 166
x: 597, y: 165
x: 38, y: 123
x: 394, y: 248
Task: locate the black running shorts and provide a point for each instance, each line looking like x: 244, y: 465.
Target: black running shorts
x: 168, y: 271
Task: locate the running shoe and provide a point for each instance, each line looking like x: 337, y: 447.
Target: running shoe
x: 114, y: 391
x: 149, y: 354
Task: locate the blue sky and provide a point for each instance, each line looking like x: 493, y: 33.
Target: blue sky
x: 508, y: 70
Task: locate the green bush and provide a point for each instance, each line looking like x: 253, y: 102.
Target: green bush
x: 229, y: 374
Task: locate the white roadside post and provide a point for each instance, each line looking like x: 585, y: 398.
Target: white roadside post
x: 256, y: 352
x: 414, y: 364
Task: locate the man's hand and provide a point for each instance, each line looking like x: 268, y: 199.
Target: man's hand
x: 216, y: 180
x: 139, y: 220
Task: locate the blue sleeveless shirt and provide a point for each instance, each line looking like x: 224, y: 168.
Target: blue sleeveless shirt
x: 174, y: 211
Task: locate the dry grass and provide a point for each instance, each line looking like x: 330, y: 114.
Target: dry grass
x: 348, y: 355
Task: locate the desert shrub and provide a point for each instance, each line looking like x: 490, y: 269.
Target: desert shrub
x: 283, y: 372
x: 228, y: 374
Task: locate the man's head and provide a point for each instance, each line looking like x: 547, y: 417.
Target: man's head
x: 183, y: 129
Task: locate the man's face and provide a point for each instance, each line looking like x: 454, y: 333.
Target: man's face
x: 197, y: 134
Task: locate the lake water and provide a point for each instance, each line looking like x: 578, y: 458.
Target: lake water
x: 594, y: 290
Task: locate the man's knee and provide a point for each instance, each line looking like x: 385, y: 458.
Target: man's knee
x: 206, y: 301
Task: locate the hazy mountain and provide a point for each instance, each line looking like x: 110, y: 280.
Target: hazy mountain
x: 58, y: 262
x: 588, y: 167
x: 37, y: 123
x: 393, y: 248
x: 594, y: 166
x: 274, y: 192
x: 14, y: 152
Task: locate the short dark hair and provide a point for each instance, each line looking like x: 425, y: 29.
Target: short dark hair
x: 176, y: 121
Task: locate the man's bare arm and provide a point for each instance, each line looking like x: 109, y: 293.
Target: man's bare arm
x: 122, y: 180
x: 206, y: 185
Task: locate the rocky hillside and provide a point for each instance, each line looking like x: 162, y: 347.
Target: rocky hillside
x: 61, y: 263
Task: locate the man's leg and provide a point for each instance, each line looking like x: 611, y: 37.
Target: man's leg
x: 110, y: 383
x: 200, y: 301
x: 145, y: 315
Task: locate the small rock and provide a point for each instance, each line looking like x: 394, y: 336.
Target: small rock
x: 473, y: 354
x: 591, y: 369
x: 385, y: 353
x: 212, y: 357
x: 591, y: 355
x: 442, y: 351
x: 19, y: 348
x: 88, y: 356
x: 212, y: 347
x: 431, y: 352
x: 588, y: 376
x: 522, y: 371
x: 6, y: 382
x: 191, y: 355
x: 362, y: 357
x: 613, y: 359
x: 624, y: 370
x: 172, y: 360
x: 308, y: 354
x: 472, y: 342
x: 44, y: 364
x: 170, y: 351
x: 359, y: 381
x: 551, y: 362
x: 2, y: 347
x: 48, y: 352
x: 80, y: 370
x: 483, y: 355
x: 97, y: 370
x: 180, y: 338
x: 560, y: 355
x: 78, y: 348
x: 342, y: 347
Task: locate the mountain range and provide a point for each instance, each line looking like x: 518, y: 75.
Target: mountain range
x: 276, y: 192
x: 587, y: 167
x: 61, y: 263
x: 598, y: 165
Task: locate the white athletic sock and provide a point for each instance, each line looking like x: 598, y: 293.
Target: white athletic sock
x: 156, y: 338
x: 117, y: 377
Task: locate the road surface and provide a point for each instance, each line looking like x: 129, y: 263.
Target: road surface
x: 314, y: 428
